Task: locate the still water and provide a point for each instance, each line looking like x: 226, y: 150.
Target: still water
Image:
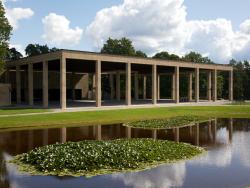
x: 226, y: 164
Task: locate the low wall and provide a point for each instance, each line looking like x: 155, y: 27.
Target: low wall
x: 5, y: 94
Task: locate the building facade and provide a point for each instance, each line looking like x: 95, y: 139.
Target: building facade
x: 77, y: 78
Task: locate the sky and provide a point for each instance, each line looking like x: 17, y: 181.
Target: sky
x: 217, y: 29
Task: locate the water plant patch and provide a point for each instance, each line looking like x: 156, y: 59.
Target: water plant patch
x: 173, y: 122
x: 89, y: 158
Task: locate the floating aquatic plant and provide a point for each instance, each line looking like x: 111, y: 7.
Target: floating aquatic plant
x: 99, y: 157
x: 178, y: 121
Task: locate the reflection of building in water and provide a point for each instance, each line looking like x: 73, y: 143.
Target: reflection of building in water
x: 154, y: 134
x: 206, y: 134
x: 128, y: 132
x: 197, y: 134
x: 4, y: 182
x: 63, y: 135
x: 97, y: 132
x: 176, y: 132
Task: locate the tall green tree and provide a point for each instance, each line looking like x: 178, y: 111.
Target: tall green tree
x: 121, y: 46
x: 241, y: 79
x: 37, y: 49
x: 166, y: 56
x: 13, y: 54
x: 140, y: 53
x: 196, y: 58
x: 5, y: 31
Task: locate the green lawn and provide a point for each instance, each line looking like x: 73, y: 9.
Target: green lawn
x: 10, y: 111
x: 118, y: 116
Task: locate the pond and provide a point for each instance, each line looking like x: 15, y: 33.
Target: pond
x: 226, y: 164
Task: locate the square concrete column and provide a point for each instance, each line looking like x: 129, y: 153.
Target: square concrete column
x: 158, y: 87
x: 209, y: 85
x: 154, y: 84
x: 136, y: 86
x: 111, y: 83
x: 144, y: 87
x: 45, y: 85
x: 7, y: 76
x: 214, y: 85
x: 173, y: 87
x: 18, y: 85
x: 73, y: 77
x: 190, y: 86
x: 118, y: 86
x: 177, y: 78
x: 93, y: 86
x: 30, y: 84
x: 231, y: 85
x: 63, y: 86
x: 197, y: 84
x: 128, y: 83
x: 98, y: 81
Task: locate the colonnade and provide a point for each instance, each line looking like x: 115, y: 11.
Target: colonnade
x: 211, y: 84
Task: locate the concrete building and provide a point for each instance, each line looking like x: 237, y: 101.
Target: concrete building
x: 69, y: 78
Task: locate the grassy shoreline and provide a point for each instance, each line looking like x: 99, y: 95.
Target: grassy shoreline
x: 122, y: 116
x: 90, y: 158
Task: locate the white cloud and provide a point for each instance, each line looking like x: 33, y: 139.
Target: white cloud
x: 14, y: 15
x: 163, y: 176
x: 155, y: 25
x: 57, y: 30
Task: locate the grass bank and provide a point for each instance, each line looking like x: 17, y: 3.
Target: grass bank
x: 91, y: 158
x: 119, y: 116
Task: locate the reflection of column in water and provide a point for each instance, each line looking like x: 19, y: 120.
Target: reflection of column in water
x: 118, y: 131
x: 45, y: 137
x: 30, y: 139
x: 63, y: 135
x: 98, y: 132
x: 214, y: 131
x: 177, y: 134
x: 154, y: 134
x: 18, y: 141
x: 230, y: 128
x: 191, y: 131
x: 210, y: 135
x: 128, y: 132
x: 197, y: 134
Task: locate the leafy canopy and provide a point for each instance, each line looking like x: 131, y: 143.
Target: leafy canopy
x: 166, y: 56
x: 37, y: 49
x: 5, y: 32
x: 196, y: 58
x: 121, y: 46
x: 13, y: 54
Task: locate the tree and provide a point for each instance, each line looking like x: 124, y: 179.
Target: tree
x: 121, y: 46
x: 241, y: 79
x: 166, y: 56
x: 140, y: 53
x: 196, y: 58
x: 13, y: 54
x: 37, y: 49
x: 5, y: 31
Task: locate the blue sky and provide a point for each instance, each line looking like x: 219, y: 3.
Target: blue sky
x: 218, y: 29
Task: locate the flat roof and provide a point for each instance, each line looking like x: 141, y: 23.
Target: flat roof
x: 94, y: 56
